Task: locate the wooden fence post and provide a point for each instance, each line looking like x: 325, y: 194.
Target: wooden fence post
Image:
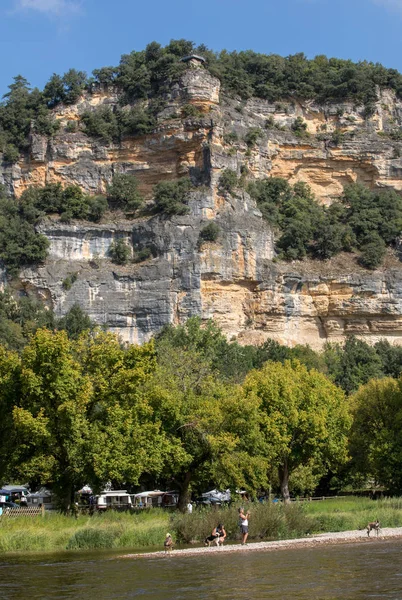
x: 43, y: 510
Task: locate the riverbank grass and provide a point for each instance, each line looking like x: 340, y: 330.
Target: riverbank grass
x: 146, y: 529
x: 55, y: 531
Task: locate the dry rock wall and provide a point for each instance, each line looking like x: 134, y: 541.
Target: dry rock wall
x: 236, y: 279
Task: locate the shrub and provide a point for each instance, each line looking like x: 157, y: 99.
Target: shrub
x: 372, y: 253
x: 72, y: 127
x: 230, y: 138
x: 123, y: 192
x: 119, y: 252
x: 299, y: 126
x: 97, y: 206
x: 11, y: 154
x: 252, y: 136
x: 171, y: 197
x: 228, y: 181
x: 101, y: 123
x: 142, y: 255
x: 189, y: 110
x: 68, y: 282
x: 135, y: 121
x: 210, y: 232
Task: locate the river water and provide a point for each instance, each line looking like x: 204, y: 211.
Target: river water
x: 350, y: 571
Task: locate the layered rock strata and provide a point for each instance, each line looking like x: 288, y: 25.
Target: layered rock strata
x: 235, y: 280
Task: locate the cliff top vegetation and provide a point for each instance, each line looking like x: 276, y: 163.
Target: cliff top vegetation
x: 147, y: 74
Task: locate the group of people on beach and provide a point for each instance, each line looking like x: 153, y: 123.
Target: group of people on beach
x: 218, y: 534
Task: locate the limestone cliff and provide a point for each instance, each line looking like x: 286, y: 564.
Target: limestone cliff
x: 235, y: 280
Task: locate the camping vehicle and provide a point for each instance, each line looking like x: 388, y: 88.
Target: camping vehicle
x: 116, y: 499
x: 15, y: 493
x: 43, y: 497
x: 156, y: 499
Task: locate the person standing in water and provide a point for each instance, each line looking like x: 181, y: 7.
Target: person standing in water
x: 243, y: 522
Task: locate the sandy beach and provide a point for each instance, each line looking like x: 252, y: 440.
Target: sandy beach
x: 341, y: 537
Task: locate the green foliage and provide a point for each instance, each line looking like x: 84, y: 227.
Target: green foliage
x: 190, y: 110
x: 148, y: 74
x: 123, y: 192
x: 252, y: 136
x: 299, y: 126
x: 69, y: 281
x: 228, y: 181
x: 20, y: 317
x: 210, y: 232
x: 305, y: 419
x: 97, y: 206
x: 171, y: 197
x: 66, y: 89
x: 75, y: 322
x: 20, y: 244
x: 231, y: 137
x: 11, y: 154
x: 119, y: 252
x: 376, y: 441
x: 71, y: 127
x: 69, y: 203
x: 142, y: 255
x: 101, y: 123
x: 353, y: 364
x: 363, y: 218
x: 372, y: 253
x: 92, y: 538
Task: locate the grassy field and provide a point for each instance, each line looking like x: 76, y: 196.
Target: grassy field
x: 56, y: 532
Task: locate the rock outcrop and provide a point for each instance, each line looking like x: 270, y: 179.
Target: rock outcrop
x: 235, y: 280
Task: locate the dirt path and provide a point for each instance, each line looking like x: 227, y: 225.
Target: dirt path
x: 340, y: 537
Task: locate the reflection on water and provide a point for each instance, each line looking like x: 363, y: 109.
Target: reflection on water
x: 352, y: 571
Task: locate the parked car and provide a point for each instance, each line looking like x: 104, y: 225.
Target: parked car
x: 8, y: 505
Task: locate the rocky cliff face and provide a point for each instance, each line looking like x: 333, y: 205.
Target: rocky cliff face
x: 235, y: 279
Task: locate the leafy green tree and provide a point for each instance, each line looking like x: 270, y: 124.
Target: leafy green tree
x: 171, y: 197
x: 20, y: 317
x: 10, y: 368
x: 228, y: 181
x: 20, y: 244
x: 75, y: 322
x: 353, y: 364
x: 372, y: 253
x: 123, y: 192
x: 50, y: 416
x: 210, y: 232
x: 391, y: 358
x: 97, y: 206
x: 304, y: 417
x: 252, y: 136
x: 119, y: 252
x: 376, y: 440
x: 101, y: 123
x: 212, y: 430
x: 122, y: 423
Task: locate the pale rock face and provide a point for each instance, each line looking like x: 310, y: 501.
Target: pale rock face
x: 233, y: 280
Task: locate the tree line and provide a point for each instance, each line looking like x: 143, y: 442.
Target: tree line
x: 148, y: 74
x: 178, y: 412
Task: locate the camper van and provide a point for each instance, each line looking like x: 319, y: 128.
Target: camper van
x: 116, y: 499
x: 156, y: 499
x: 42, y: 497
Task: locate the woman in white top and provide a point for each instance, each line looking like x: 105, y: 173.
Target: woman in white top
x: 243, y: 522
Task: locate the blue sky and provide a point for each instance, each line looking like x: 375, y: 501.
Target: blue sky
x: 39, y: 37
